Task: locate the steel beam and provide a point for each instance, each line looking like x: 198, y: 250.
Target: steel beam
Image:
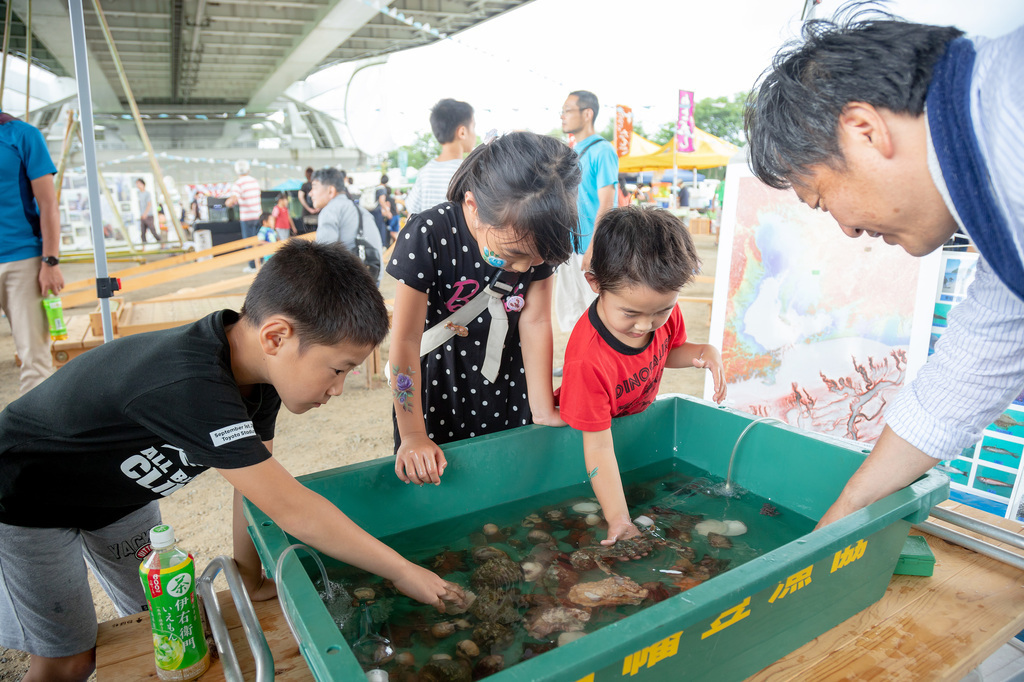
x: 52, y: 29
x: 333, y: 27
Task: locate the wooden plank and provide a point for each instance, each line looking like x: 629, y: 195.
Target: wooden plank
x: 124, y: 648
x: 936, y: 628
x: 165, y: 275
x: 170, y: 261
x: 147, y: 316
x: 96, y: 316
x: 241, y: 282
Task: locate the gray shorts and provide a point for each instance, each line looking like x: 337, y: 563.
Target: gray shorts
x: 46, y: 605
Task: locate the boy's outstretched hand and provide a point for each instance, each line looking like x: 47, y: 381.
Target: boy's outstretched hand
x: 428, y: 587
x: 420, y: 460
x: 711, y: 360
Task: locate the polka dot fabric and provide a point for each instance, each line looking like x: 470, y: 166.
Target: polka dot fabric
x: 436, y: 254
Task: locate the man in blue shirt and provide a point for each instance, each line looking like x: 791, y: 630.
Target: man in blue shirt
x: 599, y: 166
x: 29, y: 244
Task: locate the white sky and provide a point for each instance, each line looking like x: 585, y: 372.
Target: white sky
x: 516, y: 70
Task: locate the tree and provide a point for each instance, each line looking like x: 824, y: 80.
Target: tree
x: 722, y: 117
x: 424, y: 148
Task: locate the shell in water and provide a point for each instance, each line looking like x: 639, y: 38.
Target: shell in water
x: 712, y: 526
x: 586, y: 507
x: 735, y: 528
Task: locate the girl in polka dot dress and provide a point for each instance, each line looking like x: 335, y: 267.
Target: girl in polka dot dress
x: 471, y: 342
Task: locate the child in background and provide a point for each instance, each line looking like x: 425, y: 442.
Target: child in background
x: 283, y: 222
x: 267, y: 233
x: 632, y: 332
x: 471, y: 342
x: 311, y: 315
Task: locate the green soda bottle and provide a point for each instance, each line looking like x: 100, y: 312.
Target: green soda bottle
x: 169, y: 579
x: 55, y: 316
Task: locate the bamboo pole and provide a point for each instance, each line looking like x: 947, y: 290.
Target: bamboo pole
x: 158, y: 175
x: 28, y: 58
x: 3, y: 68
x: 65, y: 152
x: 110, y: 200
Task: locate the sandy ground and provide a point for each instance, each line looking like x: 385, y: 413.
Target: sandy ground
x: 352, y: 428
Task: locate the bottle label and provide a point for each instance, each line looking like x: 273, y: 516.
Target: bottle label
x: 178, y: 640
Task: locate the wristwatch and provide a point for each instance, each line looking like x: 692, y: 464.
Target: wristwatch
x: 51, y: 260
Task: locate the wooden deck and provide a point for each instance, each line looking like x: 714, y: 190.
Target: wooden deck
x: 924, y: 628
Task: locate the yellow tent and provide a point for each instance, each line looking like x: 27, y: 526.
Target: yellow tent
x: 709, y: 152
x: 640, y: 146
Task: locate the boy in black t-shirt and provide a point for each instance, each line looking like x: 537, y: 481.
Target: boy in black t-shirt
x: 85, y: 456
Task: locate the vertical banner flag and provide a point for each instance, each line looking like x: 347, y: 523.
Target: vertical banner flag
x: 623, y: 129
x: 684, y: 126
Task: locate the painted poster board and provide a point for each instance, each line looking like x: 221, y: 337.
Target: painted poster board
x: 816, y: 329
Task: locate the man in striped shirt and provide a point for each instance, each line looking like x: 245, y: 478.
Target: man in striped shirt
x: 912, y: 133
x: 454, y: 126
x: 246, y: 194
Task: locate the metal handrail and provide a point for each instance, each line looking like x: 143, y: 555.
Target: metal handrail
x: 974, y: 544
x: 243, y: 604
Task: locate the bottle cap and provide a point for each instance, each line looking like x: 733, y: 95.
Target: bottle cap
x: 161, y: 536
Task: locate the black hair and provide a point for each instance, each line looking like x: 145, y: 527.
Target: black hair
x: 330, y: 177
x: 585, y: 99
x: 281, y: 195
x: 309, y: 170
x: 384, y: 179
x: 642, y: 246
x: 263, y: 217
x: 447, y: 117
x: 792, y: 114
x: 324, y: 290
x: 526, y: 182
x: 141, y: 180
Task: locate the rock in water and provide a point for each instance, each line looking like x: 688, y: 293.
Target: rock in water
x: 536, y: 537
x: 488, y: 665
x: 442, y: 630
x: 567, y: 637
x: 445, y: 671
x: 497, y: 572
x: 541, y: 622
x: 485, y: 553
x: 719, y: 541
x: 735, y: 528
x: 495, y: 635
x: 712, y: 526
x: 608, y: 592
x: 532, y: 570
x: 495, y: 606
x: 467, y: 649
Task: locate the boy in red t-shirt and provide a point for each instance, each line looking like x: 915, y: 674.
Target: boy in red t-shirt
x: 631, y: 333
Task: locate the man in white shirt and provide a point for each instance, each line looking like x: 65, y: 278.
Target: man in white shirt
x: 910, y: 133
x: 454, y: 126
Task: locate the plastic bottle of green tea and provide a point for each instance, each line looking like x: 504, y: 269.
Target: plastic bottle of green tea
x: 55, y: 316
x: 169, y: 578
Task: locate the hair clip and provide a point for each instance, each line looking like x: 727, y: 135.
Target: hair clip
x: 494, y: 259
